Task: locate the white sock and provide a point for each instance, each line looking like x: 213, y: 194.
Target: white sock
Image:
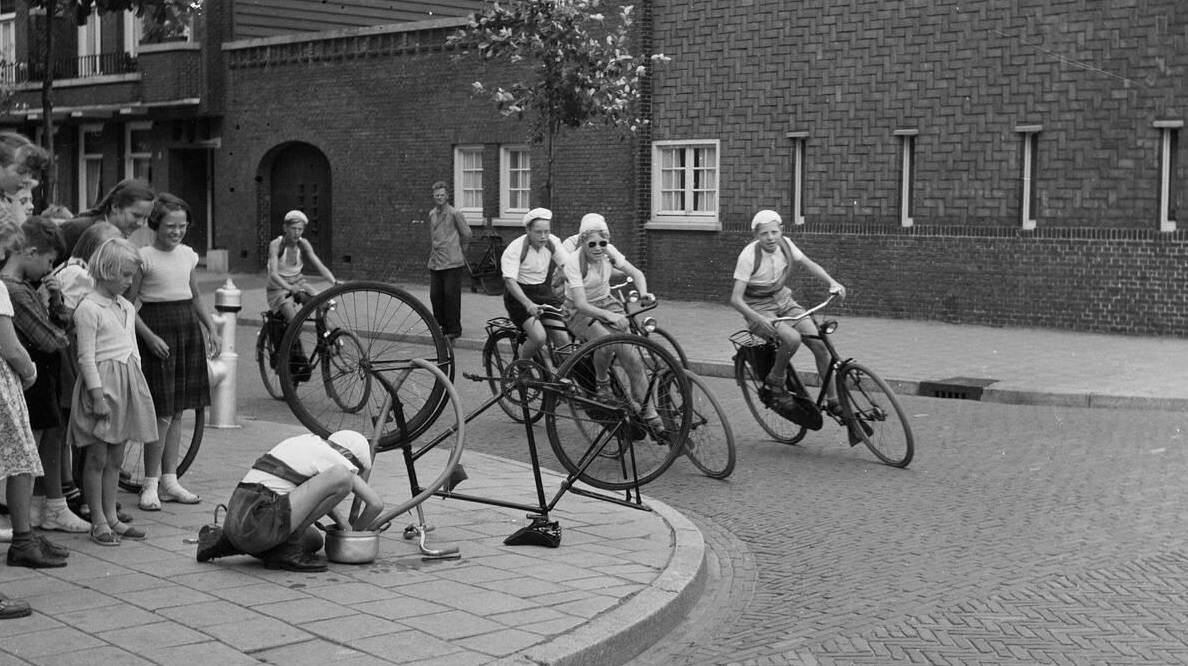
x: 55, y: 504
x: 169, y: 481
x: 150, y: 484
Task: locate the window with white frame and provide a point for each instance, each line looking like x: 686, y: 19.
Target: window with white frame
x: 907, y: 174
x: 90, y: 165
x: 138, y: 151
x: 685, y: 184
x: 133, y: 30
x: 468, y: 182
x: 90, y: 45
x: 799, y: 139
x: 8, y: 41
x: 1169, y: 163
x: 515, y: 181
x: 1029, y: 163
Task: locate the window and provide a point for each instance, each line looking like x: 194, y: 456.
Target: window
x: 1029, y: 159
x: 468, y: 182
x: 138, y: 151
x: 685, y: 185
x: 799, y: 139
x: 515, y: 182
x: 1169, y: 163
x: 90, y: 165
x: 8, y: 41
x: 907, y: 174
x: 133, y: 29
x: 90, y: 45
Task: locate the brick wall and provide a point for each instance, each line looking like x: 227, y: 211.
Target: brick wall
x: 387, y: 118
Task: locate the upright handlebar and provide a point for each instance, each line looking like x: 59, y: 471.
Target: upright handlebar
x: 809, y: 312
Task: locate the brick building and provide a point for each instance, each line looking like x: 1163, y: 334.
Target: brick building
x: 993, y: 162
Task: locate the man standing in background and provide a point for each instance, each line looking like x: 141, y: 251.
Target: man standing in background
x: 449, y: 235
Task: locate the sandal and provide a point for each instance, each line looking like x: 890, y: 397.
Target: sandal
x: 603, y: 390
x: 125, y: 531
x: 104, y: 536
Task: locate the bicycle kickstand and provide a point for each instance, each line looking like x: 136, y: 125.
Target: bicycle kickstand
x: 421, y: 532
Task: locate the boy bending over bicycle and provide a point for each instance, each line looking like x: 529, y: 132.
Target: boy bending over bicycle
x: 300, y: 480
x: 761, y: 294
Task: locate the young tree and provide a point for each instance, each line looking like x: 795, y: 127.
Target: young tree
x: 582, y: 71
x: 159, y: 12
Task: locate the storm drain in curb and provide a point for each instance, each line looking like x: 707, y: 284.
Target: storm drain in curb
x: 956, y: 388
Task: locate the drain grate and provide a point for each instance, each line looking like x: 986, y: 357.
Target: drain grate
x: 956, y: 388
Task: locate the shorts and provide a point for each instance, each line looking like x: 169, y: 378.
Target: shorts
x: 582, y: 324
x: 779, y: 304
x: 541, y: 294
x: 258, y: 519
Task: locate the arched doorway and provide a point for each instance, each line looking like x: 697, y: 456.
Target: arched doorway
x: 298, y: 177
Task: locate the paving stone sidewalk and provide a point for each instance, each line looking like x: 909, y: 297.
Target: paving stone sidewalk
x: 620, y: 574
x: 1019, y: 365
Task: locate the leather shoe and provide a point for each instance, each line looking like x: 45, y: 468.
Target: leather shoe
x: 213, y: 543
x: 10, y: 609
x: 29, y: 554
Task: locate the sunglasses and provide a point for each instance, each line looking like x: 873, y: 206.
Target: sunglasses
x: 597, y: 243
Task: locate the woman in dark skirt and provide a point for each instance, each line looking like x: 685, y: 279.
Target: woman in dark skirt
x: 174, y: 352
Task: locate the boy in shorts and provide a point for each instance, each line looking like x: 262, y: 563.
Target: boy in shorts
x: 273, y: 509
x: 761, y: 294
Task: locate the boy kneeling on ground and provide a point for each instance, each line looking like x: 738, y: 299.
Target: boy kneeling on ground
x: 272, y: 512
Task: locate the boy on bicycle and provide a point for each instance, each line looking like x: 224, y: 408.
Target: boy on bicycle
x: 528, y: 264
x: 287, y: 254
x: 761, y: 294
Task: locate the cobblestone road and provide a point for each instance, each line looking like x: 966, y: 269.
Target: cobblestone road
x: 1019, y: 535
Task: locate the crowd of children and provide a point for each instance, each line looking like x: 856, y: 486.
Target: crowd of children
x: 83, y: 372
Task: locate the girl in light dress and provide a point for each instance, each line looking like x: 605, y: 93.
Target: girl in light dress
x: 170, y: 327
x: 111, y: 403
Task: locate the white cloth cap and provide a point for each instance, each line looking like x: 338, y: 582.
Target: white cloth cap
x: 593, y: 222
x: 354, y: 442
x: 537, y: 214
x: 763, y: 217
x: 296, y: 216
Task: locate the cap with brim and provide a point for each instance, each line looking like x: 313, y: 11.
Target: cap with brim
x: 592, y: 222
x: 765, y: 216
x: 296, y: 216
x: 537, y: 214
x: 355, y: 447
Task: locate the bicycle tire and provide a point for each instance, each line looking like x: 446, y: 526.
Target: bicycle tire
x: 776, y: 426
x: 393, y: 328
x: 265, y: 359
x: 867, y: 400
x: 341, y: 367
x: 499, y: 352
x: 193, y: 429
x: 576, y: 427
x: 710, y: 445
x: 670, y: 343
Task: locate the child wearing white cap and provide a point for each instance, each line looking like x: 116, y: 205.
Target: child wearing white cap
x: 761, y: 294
x: 272, y: 511
x: 287, y: 255
x: 528, y: 264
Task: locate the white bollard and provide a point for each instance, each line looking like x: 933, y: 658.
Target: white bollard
x: 228, y: 302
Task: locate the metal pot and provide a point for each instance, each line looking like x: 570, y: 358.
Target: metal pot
x: 349, y: 547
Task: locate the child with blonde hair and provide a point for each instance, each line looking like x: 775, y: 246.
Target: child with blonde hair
x: 111, y: 403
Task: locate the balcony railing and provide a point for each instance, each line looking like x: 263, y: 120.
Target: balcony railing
x: 82, y: 67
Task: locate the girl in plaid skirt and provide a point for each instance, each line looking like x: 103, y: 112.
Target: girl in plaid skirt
x: 170, y: 327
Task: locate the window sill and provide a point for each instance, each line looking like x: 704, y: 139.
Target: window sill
x: 684, y: 224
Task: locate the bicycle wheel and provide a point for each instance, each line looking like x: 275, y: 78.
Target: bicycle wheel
x: 606, y: 443
x: 193, y: 425
x: 343, y: 374
x: 670, y: 345
x: 499, y: 353
x: 710, y: 445
x: 266, y: 361
x: 869, y: 402
x: 780, y: 429
x: 391, y: 328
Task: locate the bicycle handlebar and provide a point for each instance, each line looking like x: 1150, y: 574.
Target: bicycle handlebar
x: 809, y: 312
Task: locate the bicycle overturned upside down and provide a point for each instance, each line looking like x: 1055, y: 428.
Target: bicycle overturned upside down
x: 867, y: 407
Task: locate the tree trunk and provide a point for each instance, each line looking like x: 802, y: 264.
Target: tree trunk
x: 47, y: 106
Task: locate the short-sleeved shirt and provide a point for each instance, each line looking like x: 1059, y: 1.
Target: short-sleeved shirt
x: 308, y: 455
x: 771, y: 265
x: 167, y: 274
x: 596, y: 281
x: 535, y: 267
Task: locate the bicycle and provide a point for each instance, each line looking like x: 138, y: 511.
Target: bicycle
x: 868, y: 410
x: 502, y: 348
x: 335, y: 350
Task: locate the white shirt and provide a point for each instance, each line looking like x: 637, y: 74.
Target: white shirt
x: 166, y: 275
x: 307, y: 455
x: 535, y: 267
x: 596, y: 282
x: 771, y: 265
